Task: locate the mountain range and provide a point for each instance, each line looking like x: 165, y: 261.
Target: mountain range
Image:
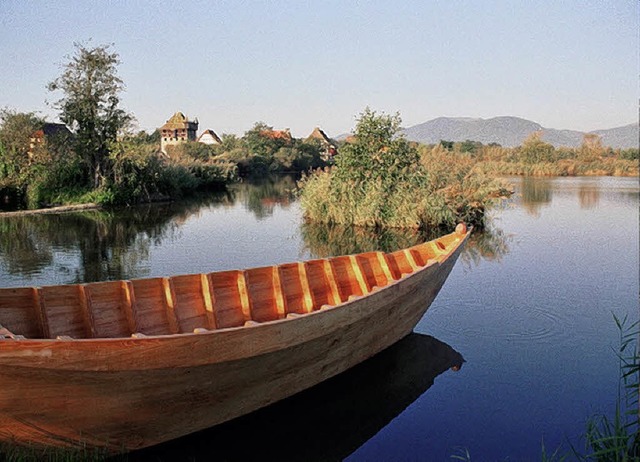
x: 512, y: 131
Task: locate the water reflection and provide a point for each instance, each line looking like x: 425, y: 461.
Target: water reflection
x: 328, y: 421
x: 536, y: 193
x: 94, y: 245
x: 261, y: 196
x: 323, y: 241
x: 490, y: 244
x: 589, y: 196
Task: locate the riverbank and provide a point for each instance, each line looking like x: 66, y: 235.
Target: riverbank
x: 59, y: 209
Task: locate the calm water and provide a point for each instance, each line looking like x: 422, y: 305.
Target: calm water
x: 529, y: 307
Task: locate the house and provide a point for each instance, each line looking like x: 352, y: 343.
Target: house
x: 50, y: 132
x: 277, y: 134
x: 327, y: 143
x: 209, y: 137
x: 176, y: 130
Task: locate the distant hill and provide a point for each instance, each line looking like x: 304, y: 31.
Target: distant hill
x: 512, y: 131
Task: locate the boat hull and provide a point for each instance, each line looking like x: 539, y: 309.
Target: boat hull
x: 124, y: 394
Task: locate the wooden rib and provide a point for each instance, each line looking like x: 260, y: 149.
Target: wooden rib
x: 87, y: 315
x: 437, y: 249
x: 411, y: 260
x: 306, y: 290
x: 328, y: 272
x: 385, y: 267
x: 130, y: 307
x: 281, y: 304
x: 209, y: 300
x: 170, y: 303
x: 38, y: 301
x: 364, y: 288
x: 244, y: 296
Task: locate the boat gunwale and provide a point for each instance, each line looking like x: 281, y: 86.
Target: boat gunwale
x: 438, y: 259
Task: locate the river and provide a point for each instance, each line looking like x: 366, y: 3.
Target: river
x: 530, y: 307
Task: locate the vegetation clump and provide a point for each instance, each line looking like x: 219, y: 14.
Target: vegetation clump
x: 381, y: 180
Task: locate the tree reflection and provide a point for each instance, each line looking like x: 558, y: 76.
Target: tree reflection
x: 490, y: 244
x: 536, y: 193
x: 589, y: 196
x: 262, y: 196
x: 109, y: 245
x: 323, y: 241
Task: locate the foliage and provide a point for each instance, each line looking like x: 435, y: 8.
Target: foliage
x: 16, y: 131
x: 90, y: 106
x: 534, y: 150
x: 381, y: 180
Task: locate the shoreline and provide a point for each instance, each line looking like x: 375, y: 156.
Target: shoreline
x: 59, y: 209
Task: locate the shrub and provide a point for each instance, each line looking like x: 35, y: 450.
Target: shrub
x: 380, y: 180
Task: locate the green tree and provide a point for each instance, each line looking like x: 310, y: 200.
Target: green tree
x: 90, y: 106
x: 16, y: 131
x: 378, y: 153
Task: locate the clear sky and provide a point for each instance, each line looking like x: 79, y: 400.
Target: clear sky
x: 297, y: 64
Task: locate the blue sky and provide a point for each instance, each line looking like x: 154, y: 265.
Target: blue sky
x: 297, y: 64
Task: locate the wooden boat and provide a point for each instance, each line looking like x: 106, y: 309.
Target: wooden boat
x: 123, y: 365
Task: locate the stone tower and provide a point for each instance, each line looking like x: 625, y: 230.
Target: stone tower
x: 178, y: 129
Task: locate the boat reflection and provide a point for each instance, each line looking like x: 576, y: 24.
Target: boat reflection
x: 328, y: 421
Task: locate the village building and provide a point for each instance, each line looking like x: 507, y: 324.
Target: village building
x: 277, y: 134
x: 328, y: 145
x: 178, y: 129
x: 209, y: 137
x: 48, y: 133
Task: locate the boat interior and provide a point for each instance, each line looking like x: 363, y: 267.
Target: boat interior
x: 199, y: 303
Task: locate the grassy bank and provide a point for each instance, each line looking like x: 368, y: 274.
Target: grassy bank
x: 538, y: 158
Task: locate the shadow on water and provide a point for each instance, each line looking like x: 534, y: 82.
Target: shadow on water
x: 328, y: 421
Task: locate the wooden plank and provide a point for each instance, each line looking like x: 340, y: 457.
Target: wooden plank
x: 209, y: 300
x: 385, y: 266
x: 304, y: 283
x: 357, y: 271
x: 38, y: 306
x: 244, y: 296
x: 87, y: 315
x: 331, y: 280
x: 170, y: 299
x: 281, y: 304
x: 228, y: 306
x: 129, y: 306
x: 151, y: 306
x: 411, y: 260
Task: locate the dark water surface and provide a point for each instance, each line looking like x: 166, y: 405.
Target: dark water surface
x: 529, y: 307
